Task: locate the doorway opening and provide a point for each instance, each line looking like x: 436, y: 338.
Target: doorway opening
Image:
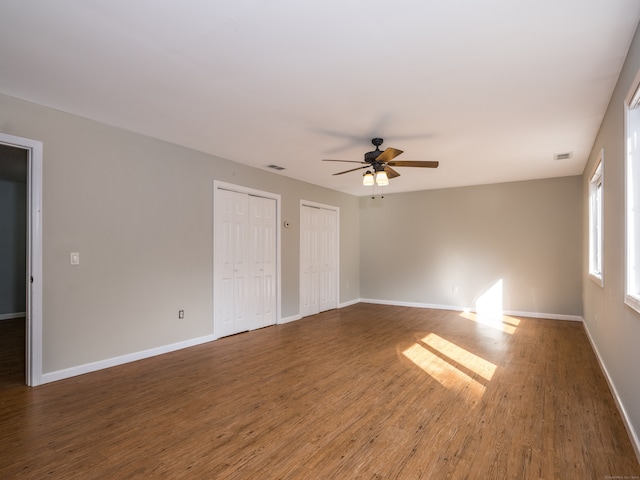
x: 21, y: 275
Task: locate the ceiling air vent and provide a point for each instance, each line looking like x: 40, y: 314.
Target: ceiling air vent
x: 563, y: 156
x: 275, y: 167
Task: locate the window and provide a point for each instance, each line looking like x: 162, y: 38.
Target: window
x: 632, y: 194
x: 595, y: 223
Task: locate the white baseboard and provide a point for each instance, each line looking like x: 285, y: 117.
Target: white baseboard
x: 633, y: 435
x: 412, y: 304
x: 348, y: 303
x: 11, y: 316
x: 544, y: 316
x: 132, y: 357
x: 292, y: 318
x: 457, y: 308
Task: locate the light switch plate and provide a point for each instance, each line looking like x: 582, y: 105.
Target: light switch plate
x: 75, y: 258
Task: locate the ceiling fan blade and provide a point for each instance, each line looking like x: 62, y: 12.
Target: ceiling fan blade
x: 388, y: 154
x: 348, y: 161
x: 391, y: 173
x: 352, y: 170
x: 413, y: 163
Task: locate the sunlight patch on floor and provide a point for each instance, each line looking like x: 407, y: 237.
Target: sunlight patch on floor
x: 446, y: 373
x: 476, y: 364
x: 502, y: 323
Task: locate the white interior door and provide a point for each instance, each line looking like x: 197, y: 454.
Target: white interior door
x: 245, y: 262
x: 327, y: 259
x: 262, y: 258
x: 230, y: 247
x: 309, y: 269
x: 318, y: 259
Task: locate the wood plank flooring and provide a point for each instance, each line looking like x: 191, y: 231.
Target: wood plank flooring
x: 365, y: 392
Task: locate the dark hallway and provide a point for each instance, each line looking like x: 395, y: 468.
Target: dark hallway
x: 12, y: 351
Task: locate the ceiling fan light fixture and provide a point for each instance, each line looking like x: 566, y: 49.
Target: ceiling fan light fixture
x: 367, y: 179
x: 382, y: 179
x: 380, y: 164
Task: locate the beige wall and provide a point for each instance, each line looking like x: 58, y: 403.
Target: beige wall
x: 139, y: 212
x: 417, y: 246
x: 613, y: 327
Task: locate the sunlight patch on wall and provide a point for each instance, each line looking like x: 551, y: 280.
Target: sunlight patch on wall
x: 489, y: 304
x: 489, y: 311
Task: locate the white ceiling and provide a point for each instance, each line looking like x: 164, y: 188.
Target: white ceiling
x: 491, y: 89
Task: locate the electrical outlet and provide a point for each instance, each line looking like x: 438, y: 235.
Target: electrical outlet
x: 180, y: 313
x: 454, y: 289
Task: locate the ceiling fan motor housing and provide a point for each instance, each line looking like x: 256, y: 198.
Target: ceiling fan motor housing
x: 370, y: 157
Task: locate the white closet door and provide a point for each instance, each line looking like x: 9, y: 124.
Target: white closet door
x: 230, y: 215
x: 262, y: 284
x: 318, y: 260
x: 309, y: 279
x: 327, y: 259
x: 245, y: 262
x: 240, y: 261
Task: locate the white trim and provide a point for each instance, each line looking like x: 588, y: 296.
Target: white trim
x: 349, y: 303
x: 633, y: 96
x: 626, y: 420
x: 596, y: 279
x: 413, y: 304
x: 596, y: 178
x: 326, y: 206
x: 115, y: 361
x: 292, y: 318
x: 34, y: 255
x: 217, y: 184
x: 513, y: 313
x: 11, y: 316
x: 632, y: 299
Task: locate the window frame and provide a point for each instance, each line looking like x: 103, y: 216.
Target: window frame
x: 596, y: 222
x: 632, y: 197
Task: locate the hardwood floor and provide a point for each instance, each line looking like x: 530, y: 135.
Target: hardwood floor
x: 365, y: 392
x: 12, y: 352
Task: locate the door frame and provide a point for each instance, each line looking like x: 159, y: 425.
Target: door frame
x: 33, y: 355
x: 219, y: 185
x: 308, y: 203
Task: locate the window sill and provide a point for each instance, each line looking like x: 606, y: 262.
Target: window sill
x: 633, y: 301
x: 598, y: 280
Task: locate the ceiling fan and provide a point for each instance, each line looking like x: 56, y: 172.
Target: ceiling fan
x: 381, y: 162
